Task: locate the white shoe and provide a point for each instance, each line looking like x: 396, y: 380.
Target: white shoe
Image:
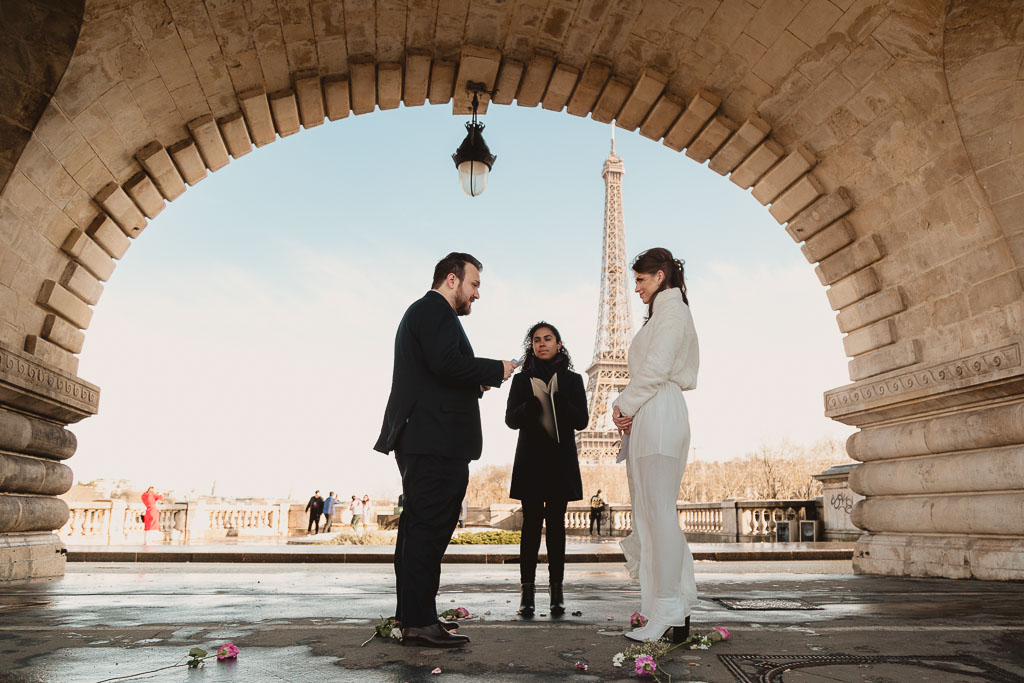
x: 649, y: 631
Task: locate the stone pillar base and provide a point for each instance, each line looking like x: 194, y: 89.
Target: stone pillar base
x: 31, y: 556
x: 952, y: 557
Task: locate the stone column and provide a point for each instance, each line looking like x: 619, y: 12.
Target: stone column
x: 36, y: 402
x: 197, y: 521
x: 837, y: 501
x: 117, y: 535
x: 730, y: 521
x: 942, y: 448
x: 281, y: 521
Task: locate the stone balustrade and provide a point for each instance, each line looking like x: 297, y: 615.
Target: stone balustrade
x: 115, y: 522
x: 728, y: 521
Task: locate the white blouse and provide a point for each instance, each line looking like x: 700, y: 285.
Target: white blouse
x: 663, y: 362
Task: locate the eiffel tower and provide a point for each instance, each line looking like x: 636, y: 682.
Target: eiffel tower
x: 608, y: 374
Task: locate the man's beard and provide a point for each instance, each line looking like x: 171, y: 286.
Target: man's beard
x: 462, y: 303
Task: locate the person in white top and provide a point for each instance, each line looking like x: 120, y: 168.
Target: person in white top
x: 651, y: 414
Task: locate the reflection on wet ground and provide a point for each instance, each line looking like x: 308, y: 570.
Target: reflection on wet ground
x: 306, y: 622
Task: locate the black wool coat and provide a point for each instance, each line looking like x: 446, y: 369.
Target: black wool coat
x: 434, y: 406
x: 545, y: 469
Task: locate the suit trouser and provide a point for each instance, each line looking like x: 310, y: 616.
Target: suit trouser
x: 552, y: 515
x: 595, y: 517
x: 434, y: 487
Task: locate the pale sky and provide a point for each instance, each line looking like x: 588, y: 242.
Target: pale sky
x: 246, y: 337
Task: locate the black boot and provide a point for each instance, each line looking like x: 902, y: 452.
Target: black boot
x: 557, y: 600
x: 526, y: 606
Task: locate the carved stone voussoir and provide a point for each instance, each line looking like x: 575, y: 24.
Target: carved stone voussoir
x: 991, y: 373
x: 33, y: 387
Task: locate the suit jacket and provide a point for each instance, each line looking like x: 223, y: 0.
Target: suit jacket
x: 435, y: 386
x: 545, y: 469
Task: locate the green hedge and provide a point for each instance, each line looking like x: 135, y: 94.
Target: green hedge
x: 488, y: 538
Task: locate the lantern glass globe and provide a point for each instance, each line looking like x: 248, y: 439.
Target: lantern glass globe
x: 473, y: 177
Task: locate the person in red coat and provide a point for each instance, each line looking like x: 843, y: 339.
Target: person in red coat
x: 151, y: 520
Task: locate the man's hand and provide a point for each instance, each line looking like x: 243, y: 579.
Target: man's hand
x: 508, y: 367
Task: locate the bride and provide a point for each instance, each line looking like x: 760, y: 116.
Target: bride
x: 651, y: 412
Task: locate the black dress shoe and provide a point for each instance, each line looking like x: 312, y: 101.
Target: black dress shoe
x: 448, y: 625
x: 431, y: 636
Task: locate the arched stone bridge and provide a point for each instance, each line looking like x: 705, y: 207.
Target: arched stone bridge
x: 886, y: 137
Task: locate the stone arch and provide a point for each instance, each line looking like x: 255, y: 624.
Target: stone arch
x: 857, y: 123
x: 139, y: 181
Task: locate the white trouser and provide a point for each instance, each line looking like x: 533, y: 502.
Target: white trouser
x: 657, y: 553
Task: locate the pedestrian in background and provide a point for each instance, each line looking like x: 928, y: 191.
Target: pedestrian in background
x: 329, y: 502
x: 368, y: 517
x: 596, y: 508
x: 151, y: 520
x: 356, y: 508
x: 315, y: 508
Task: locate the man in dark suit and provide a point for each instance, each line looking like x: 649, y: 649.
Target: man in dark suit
x: 432, y: 423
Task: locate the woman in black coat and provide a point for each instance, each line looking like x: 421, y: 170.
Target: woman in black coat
x: 546, y: 403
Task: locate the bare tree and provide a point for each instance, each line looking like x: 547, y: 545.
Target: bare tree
x: 782, y: 470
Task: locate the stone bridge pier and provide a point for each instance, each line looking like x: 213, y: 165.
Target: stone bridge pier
x: 885, y: 137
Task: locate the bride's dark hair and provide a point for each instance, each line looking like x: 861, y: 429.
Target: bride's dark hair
x: 651, y: 261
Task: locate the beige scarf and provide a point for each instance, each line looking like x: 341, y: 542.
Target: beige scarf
x: 546, y: 392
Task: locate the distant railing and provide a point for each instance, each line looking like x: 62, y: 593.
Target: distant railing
x: 116, y: 521
x: 728, y: 521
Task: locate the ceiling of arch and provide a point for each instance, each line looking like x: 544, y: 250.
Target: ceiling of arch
x: 853, y: 92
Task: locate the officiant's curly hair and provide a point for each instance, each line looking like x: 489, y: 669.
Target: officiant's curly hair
x: 651, y: 261
x: 528, y: 346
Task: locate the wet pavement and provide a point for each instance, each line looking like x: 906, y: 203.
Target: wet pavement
x: 302, y: 622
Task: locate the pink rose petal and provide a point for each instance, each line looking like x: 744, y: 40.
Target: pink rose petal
x: 436, y: 671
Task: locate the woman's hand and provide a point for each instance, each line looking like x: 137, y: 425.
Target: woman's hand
x: 623, y: 423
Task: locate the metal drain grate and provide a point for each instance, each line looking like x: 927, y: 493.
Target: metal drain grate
x: 770, y: 668
x: 766, y: 604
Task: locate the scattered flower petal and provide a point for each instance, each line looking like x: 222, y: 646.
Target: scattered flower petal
x: 435, y: 671
x: 581, y: 666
